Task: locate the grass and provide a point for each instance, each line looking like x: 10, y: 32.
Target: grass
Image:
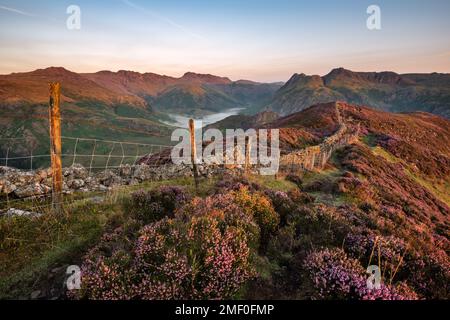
x: 312, y: 176
x: 272, y: 182
x: 30, y: 247
x: 439, y: 189
x: 389, y: 157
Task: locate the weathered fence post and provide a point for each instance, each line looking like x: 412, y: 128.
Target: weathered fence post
x: 247, y: 155
x: 55, y: 146
x: 193, y: 151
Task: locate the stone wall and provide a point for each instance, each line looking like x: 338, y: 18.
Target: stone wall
x: 22, y: 184
x: 315, y: 157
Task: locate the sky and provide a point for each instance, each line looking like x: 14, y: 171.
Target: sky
x: 242, y: 39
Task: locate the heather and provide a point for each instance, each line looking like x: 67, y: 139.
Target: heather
x: 248, y: 240
x: 155, y: 204
x: 336, y: 276
x: 202, y: 250
x: 300, y: 235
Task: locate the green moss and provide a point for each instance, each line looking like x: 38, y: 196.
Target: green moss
x: 272, y: 182
x: 439, y: 189
x: 379, y: 151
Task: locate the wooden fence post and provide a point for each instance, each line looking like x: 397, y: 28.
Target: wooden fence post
x: 193, y: 151
x: 247, y: 155
x: 55, y: 146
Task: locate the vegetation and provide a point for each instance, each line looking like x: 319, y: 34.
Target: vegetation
x: 301, y: 236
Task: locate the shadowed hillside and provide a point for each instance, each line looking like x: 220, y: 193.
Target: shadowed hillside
x: 382, y: 90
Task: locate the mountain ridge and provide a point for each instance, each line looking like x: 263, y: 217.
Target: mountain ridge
x: 200, y: 92
x: 385, y: 90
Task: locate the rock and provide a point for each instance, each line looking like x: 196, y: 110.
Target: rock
x: 12, y: 212
x: 7, y: 187
x: 7, y: 170
x: 57, y: 270
x: 97, y: 199
x: 142, y: 173
x: 125, y: 171
x: 76, y: 171
x: 76, y: 184
x: 133, y: 182
x: 109, y: 178
x: 36, y: 294
x: 34, y: 189
x: 42, y: 175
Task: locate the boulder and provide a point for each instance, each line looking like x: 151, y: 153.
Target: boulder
x: 142, y: 173
x: 6, y: 187
x: 108, y: 178
x: 31, y: 190
x: 76, y: 184
x: 125, y: 171
x: 12, y: 212
x: 76, y: 171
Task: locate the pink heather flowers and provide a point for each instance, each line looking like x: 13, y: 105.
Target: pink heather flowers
x: 336, y: 276
x: 203, y: 252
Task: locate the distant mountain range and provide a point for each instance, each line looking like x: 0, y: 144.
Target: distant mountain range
x: 190, y: 94
x: 132, y: 106
x: 387, y: 91
x: 195, y: 94
x: 124, y: 105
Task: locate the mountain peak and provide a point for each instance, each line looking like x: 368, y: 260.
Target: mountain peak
x: 205, y: 78
x: 54, y: 71
x: 341, y: 72
x: 302, y: 79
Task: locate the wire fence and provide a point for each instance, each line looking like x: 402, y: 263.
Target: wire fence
x: 95, y: 154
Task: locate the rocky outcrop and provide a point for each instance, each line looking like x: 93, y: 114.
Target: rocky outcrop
x: 23, y: 184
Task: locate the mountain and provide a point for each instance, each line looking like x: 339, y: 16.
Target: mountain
x: 190, y: 94
x: 399, y: 170
x: 32, y: 87
x: 245, y: 122
x: 123, y: 105
x: 381, y: 200
x: 387, y: 192
x: 387, y: 91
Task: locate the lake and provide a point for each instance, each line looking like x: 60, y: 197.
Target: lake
x: 182, y: 121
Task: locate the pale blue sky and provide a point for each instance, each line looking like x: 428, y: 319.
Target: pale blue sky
x: 251, y: 39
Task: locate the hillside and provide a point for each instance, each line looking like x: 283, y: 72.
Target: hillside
x: 190, y: 94
x: 382, y: 90
x: 123, y: 105
x: 381, y: 200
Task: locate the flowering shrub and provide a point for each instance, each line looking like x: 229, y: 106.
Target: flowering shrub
x: 387, y: 250
x: 299, y: 197
x: 282, y: 204
x: 233, y: 183
x: 196, y: 257
x: 149, y: 206
x: 260, y: 208
x: 336, y: 276
x: 221, y: 259
x: 103, y: 276
x: 226, y: 211
x: 430, y: 274
x: 163, y: 268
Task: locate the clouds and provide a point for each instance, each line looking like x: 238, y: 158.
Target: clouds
x: 259, y: 40
x: 164, y: 19
x: 16, y: 11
